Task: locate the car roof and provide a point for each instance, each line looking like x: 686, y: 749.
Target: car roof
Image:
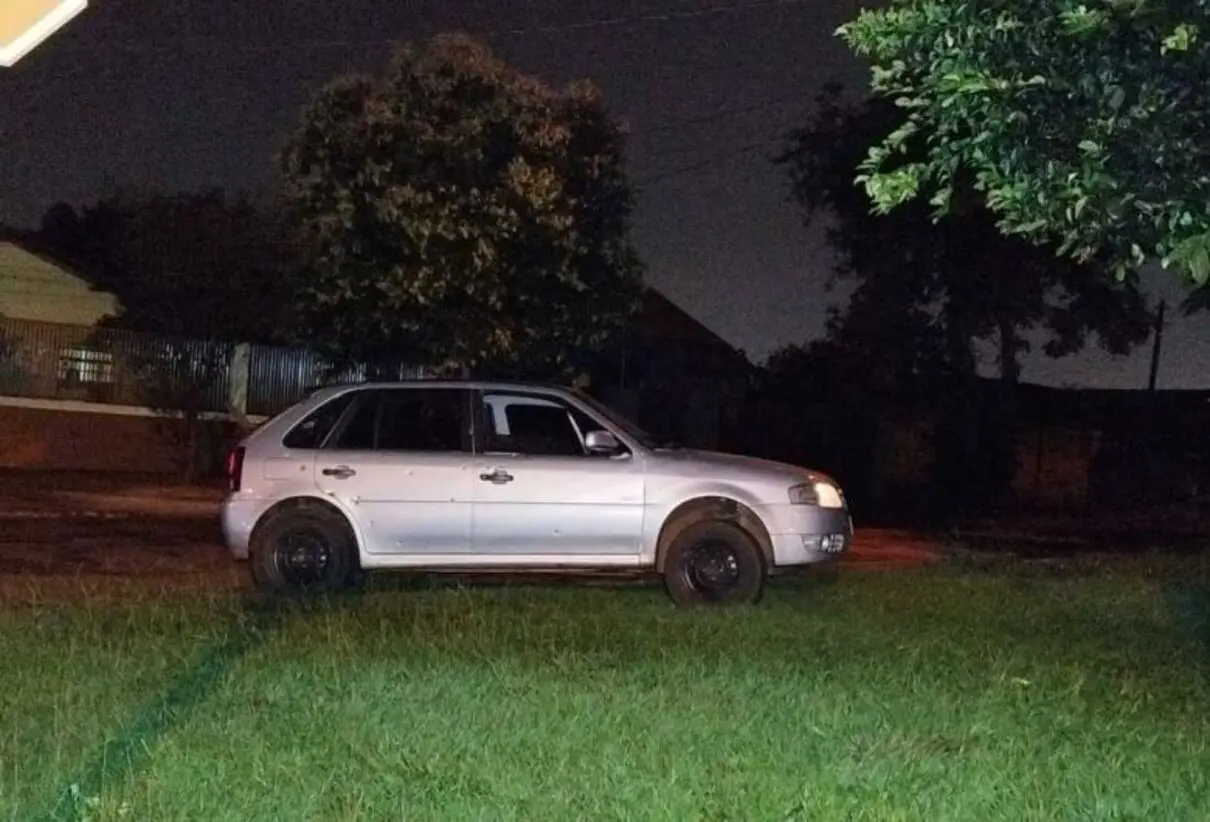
x: 469, y: 384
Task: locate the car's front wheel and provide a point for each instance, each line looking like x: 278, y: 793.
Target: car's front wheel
x: 714, y: 563
x: 303, y: 548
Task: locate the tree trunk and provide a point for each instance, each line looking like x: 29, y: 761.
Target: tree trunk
x: 1010, y: 368
x: 955, y: 441
x: 1003, y: 433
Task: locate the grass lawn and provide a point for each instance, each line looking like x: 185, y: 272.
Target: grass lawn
x: 932, y: 694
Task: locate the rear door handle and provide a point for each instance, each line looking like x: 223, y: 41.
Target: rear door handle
x: 340, y: 472
x: 497, y: 477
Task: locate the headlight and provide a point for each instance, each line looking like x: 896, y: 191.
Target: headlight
x: 823, y: 494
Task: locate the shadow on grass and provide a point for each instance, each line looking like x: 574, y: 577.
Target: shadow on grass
x: 405, y: 581
x: 133, y: 743
x: 1183, y: 580
x: 1188, y: 602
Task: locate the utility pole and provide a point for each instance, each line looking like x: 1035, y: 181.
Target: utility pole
x: 1156, y: 345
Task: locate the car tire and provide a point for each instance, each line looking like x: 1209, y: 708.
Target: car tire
x: 714, y: 563
x: 304, y: 548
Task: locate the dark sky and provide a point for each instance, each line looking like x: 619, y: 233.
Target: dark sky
x: 195, y: 93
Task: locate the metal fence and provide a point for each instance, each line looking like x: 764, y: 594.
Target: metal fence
x: 280, y: 377
x: 41, y: 360
x: 53, y: 361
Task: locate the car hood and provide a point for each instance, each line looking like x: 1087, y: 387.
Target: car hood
x: 734, y: 464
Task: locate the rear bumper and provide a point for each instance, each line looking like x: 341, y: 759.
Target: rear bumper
x: 805, y: 534
x: 239, y: 517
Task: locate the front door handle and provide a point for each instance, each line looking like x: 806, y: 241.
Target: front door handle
x: 497, y: 477
x: 340, y: 472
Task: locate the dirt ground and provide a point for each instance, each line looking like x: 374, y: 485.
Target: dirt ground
x: 105, y: 535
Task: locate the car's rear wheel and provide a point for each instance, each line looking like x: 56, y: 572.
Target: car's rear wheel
x: 714, y: 563
x: 304, y: 548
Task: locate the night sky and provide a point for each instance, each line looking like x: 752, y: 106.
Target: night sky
x: 196, y: 93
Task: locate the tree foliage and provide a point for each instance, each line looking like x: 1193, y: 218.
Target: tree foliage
x: 198, y: 265
x: 460, y: 213
x: 180, y: 380
x: 928, y: 292
x: 1084, y: 126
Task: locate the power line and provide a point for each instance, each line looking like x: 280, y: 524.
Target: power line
x: 706, y: 119
x: 663, y: 17
x: 715, y: 161
x: 697, y: 65
x: 587, y: 25
x: 623, y: 21
x: 615, y: 22
x: 249, y: 96
x: 706, y: 164
x: 195, y: 141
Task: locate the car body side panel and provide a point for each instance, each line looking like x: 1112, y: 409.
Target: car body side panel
x: 240, y: 514
x: 403, y: 502
x: 558, y: 505
x: 273, y: 473
x: 666, y: 495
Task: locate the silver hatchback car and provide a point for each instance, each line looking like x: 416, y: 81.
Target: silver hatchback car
x: 463, y: 475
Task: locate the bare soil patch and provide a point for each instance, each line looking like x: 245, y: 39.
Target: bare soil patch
x: 96, y: 556
x: 106, y: 535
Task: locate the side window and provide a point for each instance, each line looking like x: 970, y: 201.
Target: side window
x: 358, y: 432
x: 585, y: 423
x: 315, y: 427
x: 430, y: 420
x: 526, y: 426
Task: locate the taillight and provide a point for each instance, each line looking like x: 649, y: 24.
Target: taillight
x: 235, y: 468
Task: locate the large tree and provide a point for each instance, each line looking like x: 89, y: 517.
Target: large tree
x: 459, y: 213
x: 201, y: 265
x: 926, y: 288
x: 1084, y: 126
x: 930, y: 294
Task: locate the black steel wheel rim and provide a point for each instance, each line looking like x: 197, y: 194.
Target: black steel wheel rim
x: 712, y: 568
x: 303, y: 557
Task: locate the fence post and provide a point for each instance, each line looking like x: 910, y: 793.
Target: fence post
x: 241, y: 368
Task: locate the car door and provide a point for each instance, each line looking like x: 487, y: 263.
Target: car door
x: 401, y: 462
x: 538, y: 491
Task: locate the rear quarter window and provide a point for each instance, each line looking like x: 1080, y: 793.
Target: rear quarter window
x: 313, y: 430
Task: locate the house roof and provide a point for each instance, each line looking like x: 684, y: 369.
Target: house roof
x: 659, y: 319
x: 28, y: 242
x: 33, y: 287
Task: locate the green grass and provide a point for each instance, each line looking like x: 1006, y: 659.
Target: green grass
x: 964, y: 694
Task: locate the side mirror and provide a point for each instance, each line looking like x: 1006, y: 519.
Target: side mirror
x: 602, y: 442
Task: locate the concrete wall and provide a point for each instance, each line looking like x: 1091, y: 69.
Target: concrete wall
x: 67, y: 440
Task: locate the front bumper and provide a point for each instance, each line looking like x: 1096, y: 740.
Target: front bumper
x: 806, y: 534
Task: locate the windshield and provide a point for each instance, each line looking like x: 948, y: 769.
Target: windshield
x: 620, y: 422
